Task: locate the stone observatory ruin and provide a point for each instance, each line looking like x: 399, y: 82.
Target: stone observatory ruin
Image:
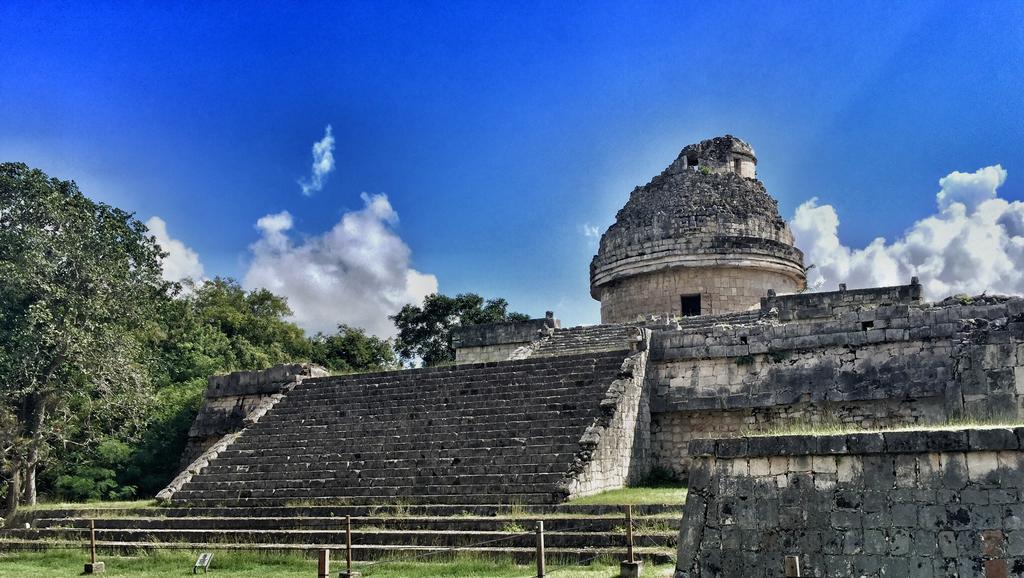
x: 709, y: 342
x: 702, y: 238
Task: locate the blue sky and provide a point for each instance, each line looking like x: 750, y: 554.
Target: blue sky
x: 498, y: 131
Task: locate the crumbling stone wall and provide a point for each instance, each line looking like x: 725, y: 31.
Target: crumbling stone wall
x: 498, y: 341
x: 685, y: 222
x: 230, y: 400
x: 615, y: 451
x: 989, y: 365
x: 911, y: 503
x: 866, y: 358
x: 671, y: 432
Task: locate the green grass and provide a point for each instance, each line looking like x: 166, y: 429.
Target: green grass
x: 831, y: 425
x: 635, y: 496
x: 125, y: 505
x: 252, y: 565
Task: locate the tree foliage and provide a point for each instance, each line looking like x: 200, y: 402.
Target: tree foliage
x: 79, y: 278
x: 350, y: 350
x: 210, y: 328
x: 425, y: 332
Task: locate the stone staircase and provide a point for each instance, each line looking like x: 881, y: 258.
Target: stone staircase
x: 587, y: 339
x: 497, y: 432
x: 573, y: 533
x: 701, y: 322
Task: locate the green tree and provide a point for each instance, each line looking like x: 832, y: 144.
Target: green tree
x: 216, y: 326
x: 79, y: 279
x: 351, y: 350
x: 211, y: 327
x: 425, y: 332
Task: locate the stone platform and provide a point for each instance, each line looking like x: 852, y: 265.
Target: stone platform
x: 537, y: 430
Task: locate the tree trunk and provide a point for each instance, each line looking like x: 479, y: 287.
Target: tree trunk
x: 32, y: 459
x: 13, y: 490
x: 29, y: 492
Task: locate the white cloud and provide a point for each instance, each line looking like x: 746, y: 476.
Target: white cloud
x: 973, y: 244
x: 970, y: 189
x: 274, y: 228
x: 589, y: 230
x: 356, y: 273
x: 181, y: 262
x: 323, y: 163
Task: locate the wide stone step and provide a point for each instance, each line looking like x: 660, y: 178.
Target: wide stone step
x: 438, y: 408
x: 378, y: 478
x: 286, y: 497
x: 375, y: 510
x: 545, y: 426
x: 467, y: 373
x: 548, y: 442
x: 453, y: 523
x: 367, y: 469
x: 364, y: 554
x: 372, y: 449
x: 554, y: 399
x: 402, y: 382
x: 530, y: 463
x: 403, y: 387
x: 424, y: 417
x: 500, y: 470
x: 335, y: 488
x: 341, y: 424
x: 398, y: 452
x: 476, y: 431
x: 520, y: 537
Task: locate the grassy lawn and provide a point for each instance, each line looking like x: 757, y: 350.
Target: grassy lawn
x: 635, y: 496
x: 132, y: 505
x: 244, y: 564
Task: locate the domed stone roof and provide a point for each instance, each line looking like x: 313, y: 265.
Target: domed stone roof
x: 707, y: 209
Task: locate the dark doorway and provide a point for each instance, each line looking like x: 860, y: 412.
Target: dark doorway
x: 691, y: 305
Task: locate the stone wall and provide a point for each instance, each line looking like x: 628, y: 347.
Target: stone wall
x: 911, y: 503
x: 498, y: 341
x: 671, y: 432
x: 868, y: 358
x: 840, y: 304
x: 231, y: 399
x: 721, y: 290
x: 487, y: 353
x: 616, y: 450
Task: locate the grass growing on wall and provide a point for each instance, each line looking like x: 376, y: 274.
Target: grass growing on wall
x: 635, y: 496
x: 252, y: 565
x: 831, y: 425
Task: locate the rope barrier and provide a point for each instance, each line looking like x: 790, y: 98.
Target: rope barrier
x: 443, y: 550
x: 593, y: 525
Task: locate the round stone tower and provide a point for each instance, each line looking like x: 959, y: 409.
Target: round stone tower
x: 703, y: 237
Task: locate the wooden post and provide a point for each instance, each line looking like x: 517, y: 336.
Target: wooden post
x: 349, y: 572
x: 630, y: 567
x: 92, y: 542
x: 629, y: 534
x: 540, y: 550
x: 324, y: 564
x: 348, y: 544
x: 93, y: 567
